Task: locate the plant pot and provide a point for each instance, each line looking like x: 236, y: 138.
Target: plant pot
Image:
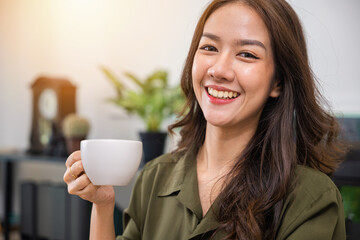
x: 73, y: 144
x: 153, y: 144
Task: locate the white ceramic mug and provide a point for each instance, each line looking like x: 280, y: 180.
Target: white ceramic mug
x: 110, y: 161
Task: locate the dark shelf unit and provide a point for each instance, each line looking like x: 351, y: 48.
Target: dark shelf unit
x: 76, y: 209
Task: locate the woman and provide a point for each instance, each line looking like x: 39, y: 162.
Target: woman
x: 256, y: 146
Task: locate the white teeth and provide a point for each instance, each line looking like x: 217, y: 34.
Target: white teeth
x: 215, y: 93
x: 222, y: 94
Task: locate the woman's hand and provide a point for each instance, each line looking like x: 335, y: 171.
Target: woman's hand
x: 79, y: 184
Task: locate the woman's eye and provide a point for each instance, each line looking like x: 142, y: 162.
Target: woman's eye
x: 209, y: 48
x: 248, y: 55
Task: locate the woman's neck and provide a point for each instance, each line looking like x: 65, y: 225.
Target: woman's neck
x: 222, y: 147
x: 216, y: 158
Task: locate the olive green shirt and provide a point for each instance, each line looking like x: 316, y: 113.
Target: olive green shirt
x: 165, y: 205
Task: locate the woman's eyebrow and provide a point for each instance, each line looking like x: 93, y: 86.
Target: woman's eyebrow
x: 243, y: 42
x: 240, y: 42
x: 211, y: 36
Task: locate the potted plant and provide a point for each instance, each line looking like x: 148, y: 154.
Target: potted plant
x: 75, y: 128
x: 153, y: 101
x: 350, y: 196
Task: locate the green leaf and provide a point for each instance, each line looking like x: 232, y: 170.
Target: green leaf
x: 351, y: 196
x: 153, y: 123
x: 156, y: 80
x: 135, y: 80
x: 119, y: 86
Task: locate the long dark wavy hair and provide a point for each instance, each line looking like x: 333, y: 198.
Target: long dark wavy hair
x: 293, y: 128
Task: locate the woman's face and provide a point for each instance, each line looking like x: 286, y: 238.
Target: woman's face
x: 233, y: 67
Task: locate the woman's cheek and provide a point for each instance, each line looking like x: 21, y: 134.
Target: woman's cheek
x: 194, y: 70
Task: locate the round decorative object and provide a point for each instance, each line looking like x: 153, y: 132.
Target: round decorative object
x: 48, y: 104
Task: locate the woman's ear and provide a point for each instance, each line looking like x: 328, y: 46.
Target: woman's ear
x: 276, y: 89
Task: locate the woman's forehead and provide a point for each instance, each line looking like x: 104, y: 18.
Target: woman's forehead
x: 238, y: 21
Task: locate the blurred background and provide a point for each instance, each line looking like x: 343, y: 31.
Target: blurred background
x: 72, y: 39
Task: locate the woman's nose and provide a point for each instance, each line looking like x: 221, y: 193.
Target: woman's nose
x: 222, y: 69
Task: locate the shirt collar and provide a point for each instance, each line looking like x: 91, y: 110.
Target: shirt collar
x: 185, y: 163
x: 183, y: 182
x: 175, y: 182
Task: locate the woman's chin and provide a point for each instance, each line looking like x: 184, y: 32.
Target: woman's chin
x: 218, y: 121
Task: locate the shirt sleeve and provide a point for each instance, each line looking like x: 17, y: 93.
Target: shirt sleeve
x: 322, y: 219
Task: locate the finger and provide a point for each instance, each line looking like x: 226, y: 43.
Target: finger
x: 77, y: 169
x: 75, y: 187
x: 88, y: 192
x: 73, y: 172
x: 83, y: 181
x: 67, y: 176
x: 74, y: 157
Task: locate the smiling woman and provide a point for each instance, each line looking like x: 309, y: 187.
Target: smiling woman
x: 232, y: 57
x: 256, y: 146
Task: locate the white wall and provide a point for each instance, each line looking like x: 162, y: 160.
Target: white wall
x: 333, y: 30
x: 71, y: 38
